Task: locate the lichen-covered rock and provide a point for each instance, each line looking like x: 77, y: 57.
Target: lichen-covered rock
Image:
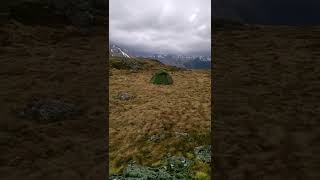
x: 134, y: 171
x: 203, y: 153
x: 178, y: 164
x: 176, y: 168
x: 142, y: 172
x: 49, y: 110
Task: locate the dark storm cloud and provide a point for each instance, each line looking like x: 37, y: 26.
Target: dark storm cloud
x: 166, y: 26
x: 286, y: 12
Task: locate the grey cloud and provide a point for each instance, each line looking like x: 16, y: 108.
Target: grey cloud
x: 166, y: 26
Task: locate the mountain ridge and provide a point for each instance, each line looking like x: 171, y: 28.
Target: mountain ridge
x: 182, y: 61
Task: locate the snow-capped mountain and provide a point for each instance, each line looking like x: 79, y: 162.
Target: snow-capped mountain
x: 118, y: 51
x: 180, y: 57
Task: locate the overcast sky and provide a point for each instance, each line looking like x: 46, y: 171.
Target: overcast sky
x: 161, y: 26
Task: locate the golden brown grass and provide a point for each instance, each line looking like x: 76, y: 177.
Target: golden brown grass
x: 157, y: 109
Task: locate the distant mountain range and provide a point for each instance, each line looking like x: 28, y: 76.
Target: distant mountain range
x: 198, y: 63
x: 188, y: 62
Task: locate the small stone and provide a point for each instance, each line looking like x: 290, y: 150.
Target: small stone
x: 157, y: 137
x: 133, y: 71
x: 124, y: 96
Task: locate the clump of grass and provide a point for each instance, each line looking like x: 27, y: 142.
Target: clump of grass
x: 200, y: 138
x: 113, y: 170
x: 202, y: 176
x: 201, y: 169
x: 190, y: 156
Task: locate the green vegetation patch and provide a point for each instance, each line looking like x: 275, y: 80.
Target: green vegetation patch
x: 125, y: 63
x: 134, y: 171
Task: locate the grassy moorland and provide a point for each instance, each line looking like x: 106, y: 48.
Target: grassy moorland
x: 177, y: 115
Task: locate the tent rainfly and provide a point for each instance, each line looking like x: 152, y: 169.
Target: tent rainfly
x: 162, y: 77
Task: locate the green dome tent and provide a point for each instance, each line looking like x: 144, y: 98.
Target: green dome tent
x: 162, y: 77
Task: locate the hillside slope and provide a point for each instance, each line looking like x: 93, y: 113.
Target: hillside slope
x: 157, y: 111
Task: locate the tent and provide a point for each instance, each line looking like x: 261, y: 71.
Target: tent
x: 162, y: 77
